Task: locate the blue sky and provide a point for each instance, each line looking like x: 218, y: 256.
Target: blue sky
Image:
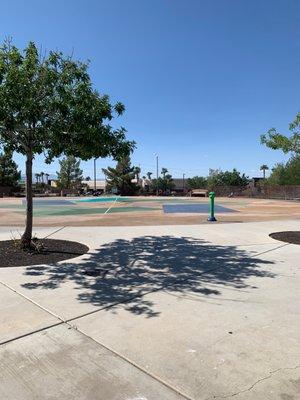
x: 201, y: 80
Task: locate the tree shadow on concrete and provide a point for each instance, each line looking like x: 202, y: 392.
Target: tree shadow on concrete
x: 128, y: 269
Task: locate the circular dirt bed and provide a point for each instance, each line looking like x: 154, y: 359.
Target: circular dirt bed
x: 288, y: 236
x: 50, y: 251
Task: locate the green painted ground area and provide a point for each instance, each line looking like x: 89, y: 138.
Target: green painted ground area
x: 12, y: 206
x: 87, y: 211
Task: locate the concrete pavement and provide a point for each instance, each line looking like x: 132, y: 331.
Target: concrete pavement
x: 195, y: 312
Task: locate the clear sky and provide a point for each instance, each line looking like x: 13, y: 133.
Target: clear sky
x: 201, y: 80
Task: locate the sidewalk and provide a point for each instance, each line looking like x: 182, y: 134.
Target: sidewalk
x: 184, y: 312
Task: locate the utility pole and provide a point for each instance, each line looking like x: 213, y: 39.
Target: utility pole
x: 183, y: 183
x: 95, y: 184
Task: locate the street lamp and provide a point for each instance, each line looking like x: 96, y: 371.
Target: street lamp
x: 95, y: 184
x: 156, y: 174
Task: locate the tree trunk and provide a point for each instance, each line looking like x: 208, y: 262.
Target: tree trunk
x: 27, y: 235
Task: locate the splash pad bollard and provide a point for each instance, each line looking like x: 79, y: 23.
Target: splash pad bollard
x: 212, y: 196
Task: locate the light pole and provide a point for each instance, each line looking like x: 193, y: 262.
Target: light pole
x: 183, y: 183
x: 156, y: 174
x: 95, y: 185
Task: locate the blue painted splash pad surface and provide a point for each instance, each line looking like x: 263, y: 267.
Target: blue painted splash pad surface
x: 194, y: 208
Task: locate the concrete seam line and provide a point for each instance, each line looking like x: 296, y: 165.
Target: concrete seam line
x: 113, y: 304
x: 268, y: 251
x: 31, y: 333
x: 153, y: 376
x: 58, y: 230
x: 70, y: 319
x: 32, y: 301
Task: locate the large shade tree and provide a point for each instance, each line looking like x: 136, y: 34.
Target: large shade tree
x: 49, y: 106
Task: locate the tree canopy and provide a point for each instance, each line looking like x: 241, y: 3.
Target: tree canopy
x: 48, y: 105
x: 9, y: 174
x: 278, y: 141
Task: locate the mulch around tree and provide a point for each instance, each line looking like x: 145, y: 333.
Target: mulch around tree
x: 51, y: 251
x: 287, y: 236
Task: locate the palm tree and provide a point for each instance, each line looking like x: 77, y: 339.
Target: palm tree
x: 47, y: 178
x: 137, y: 171
x: 264, y: 168
x: 37, y: 178
x: 149, y: 175
x: 42, y: 176
x: 163, y: 172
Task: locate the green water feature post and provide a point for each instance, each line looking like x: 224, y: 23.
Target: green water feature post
x: 211, y: 217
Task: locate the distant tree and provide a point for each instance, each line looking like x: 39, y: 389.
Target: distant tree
x: 37, y: 178
x: 286, y: 174
x: 164, y: 171
x: 88, y: 178
x: 42, y: 177
x: 137, y: 171
x: 70, y: 174
x: 164, y: 183
x: 121, y: 177
x: 226, y: 178
x: 277, y: 141
x: 264, y: 168
x: 47, y: 178
x: 168, y: 182
x: 149, y: 175
x: 9, y: 174
x: 48, y: 106
x: 197, y: 182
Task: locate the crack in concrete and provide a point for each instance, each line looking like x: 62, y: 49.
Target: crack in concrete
x: 271, y: 373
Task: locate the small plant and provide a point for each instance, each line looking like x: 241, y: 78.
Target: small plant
x: 36, y: 245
